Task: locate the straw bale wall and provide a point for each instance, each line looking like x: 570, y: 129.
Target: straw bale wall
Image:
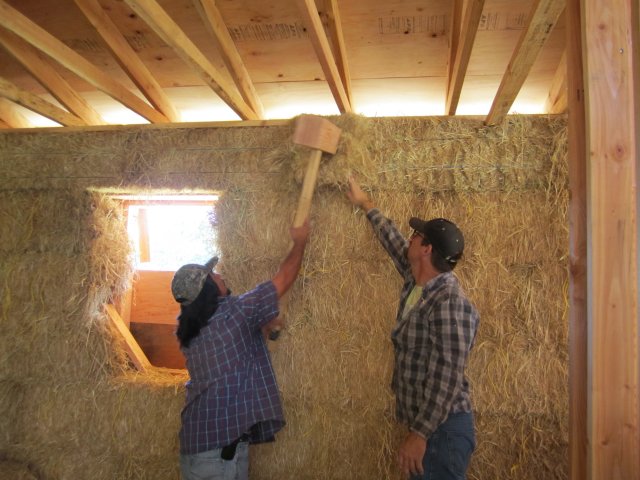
x: 71, y: 407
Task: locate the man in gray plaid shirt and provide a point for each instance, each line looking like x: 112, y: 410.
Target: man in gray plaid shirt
x: 435, y: 329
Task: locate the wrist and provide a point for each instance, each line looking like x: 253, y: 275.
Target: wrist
x: 299, y: 243
x: 366, y: 205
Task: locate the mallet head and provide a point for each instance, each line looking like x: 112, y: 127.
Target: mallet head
x: 317, y: 133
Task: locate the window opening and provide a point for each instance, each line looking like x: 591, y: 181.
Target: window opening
x: 166, y: 232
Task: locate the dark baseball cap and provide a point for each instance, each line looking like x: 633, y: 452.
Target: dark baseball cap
x: 189, y: 280
x: 445, y: 237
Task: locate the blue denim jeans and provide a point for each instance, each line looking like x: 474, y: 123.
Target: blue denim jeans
x: 449, y: 449
x: 210, y: 466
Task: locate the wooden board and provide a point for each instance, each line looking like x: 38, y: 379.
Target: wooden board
x: 159, y: 343
x: 152, y: 301
x: 613, y: 127
x: 134, y: 351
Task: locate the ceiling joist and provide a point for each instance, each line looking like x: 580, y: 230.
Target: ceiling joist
x: 397, y: 51
x: 17, y: 23
x: 127, y: 58
x: 460, y: 58
x: 543, y: 17
x: 158, y: 19
x: 33, y: 102
x: 454, y: 33
x: 323, y: 51
x: 43, y: 70
x: 557, y: 99
x: 10, y: 117
x: 216, y: 26
x: 334, y: 25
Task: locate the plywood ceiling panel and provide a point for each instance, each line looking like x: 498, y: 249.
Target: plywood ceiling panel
x: 395, y: 49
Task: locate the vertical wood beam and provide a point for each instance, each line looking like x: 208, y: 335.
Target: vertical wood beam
x: 143, y: 235
x: 577, y: 214
x: 611, y: 64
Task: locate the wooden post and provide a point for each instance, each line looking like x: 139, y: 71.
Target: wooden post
x: 610, y: 42
x: 577, y: 247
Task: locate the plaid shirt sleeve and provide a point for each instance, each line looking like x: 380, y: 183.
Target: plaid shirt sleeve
x: 452, y: 337
x: 260, y: 305
x: 391, y: 239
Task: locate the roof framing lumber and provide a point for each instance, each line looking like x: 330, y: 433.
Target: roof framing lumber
x: 323, y: 51
x: 33, y: 102
x: 158, y: 19
x: 216, y: 26
x: 10, y: 116
x: 557, y: 98
x: 334, y: 24
x: 43, y: 70
x: 543, y: 17
x: 468, y: 30
x: 454, y: 33
x: 127, y: 58
x: 17, y: 23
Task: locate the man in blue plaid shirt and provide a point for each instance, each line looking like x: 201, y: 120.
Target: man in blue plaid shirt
x: 435, y: 328
x: 232, y: 394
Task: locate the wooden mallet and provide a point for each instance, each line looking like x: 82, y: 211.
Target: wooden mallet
x: 321, y: 136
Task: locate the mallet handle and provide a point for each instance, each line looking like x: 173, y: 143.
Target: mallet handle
x: 308, y: 186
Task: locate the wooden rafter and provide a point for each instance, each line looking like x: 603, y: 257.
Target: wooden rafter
x: 127, y: 58
x: 557, y: 98
x: 323, y: 51
x: 543, y: 17
x: 334, y: 24
x: 17, y: 23
x: 216, y: 26
x: 158, y: 19
x: 10, y: 116
x: 43, y: 70
x: 33, y: 102
x: 468, y: 30
x: 454, y: 33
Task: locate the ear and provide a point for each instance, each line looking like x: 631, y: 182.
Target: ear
x: 426, y: 250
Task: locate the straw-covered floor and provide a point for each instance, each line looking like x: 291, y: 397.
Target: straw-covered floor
x: 72, y: 407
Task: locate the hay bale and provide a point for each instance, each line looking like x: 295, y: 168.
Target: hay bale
x: 84, y: 412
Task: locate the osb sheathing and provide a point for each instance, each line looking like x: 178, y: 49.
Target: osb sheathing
x: 71, y: 407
